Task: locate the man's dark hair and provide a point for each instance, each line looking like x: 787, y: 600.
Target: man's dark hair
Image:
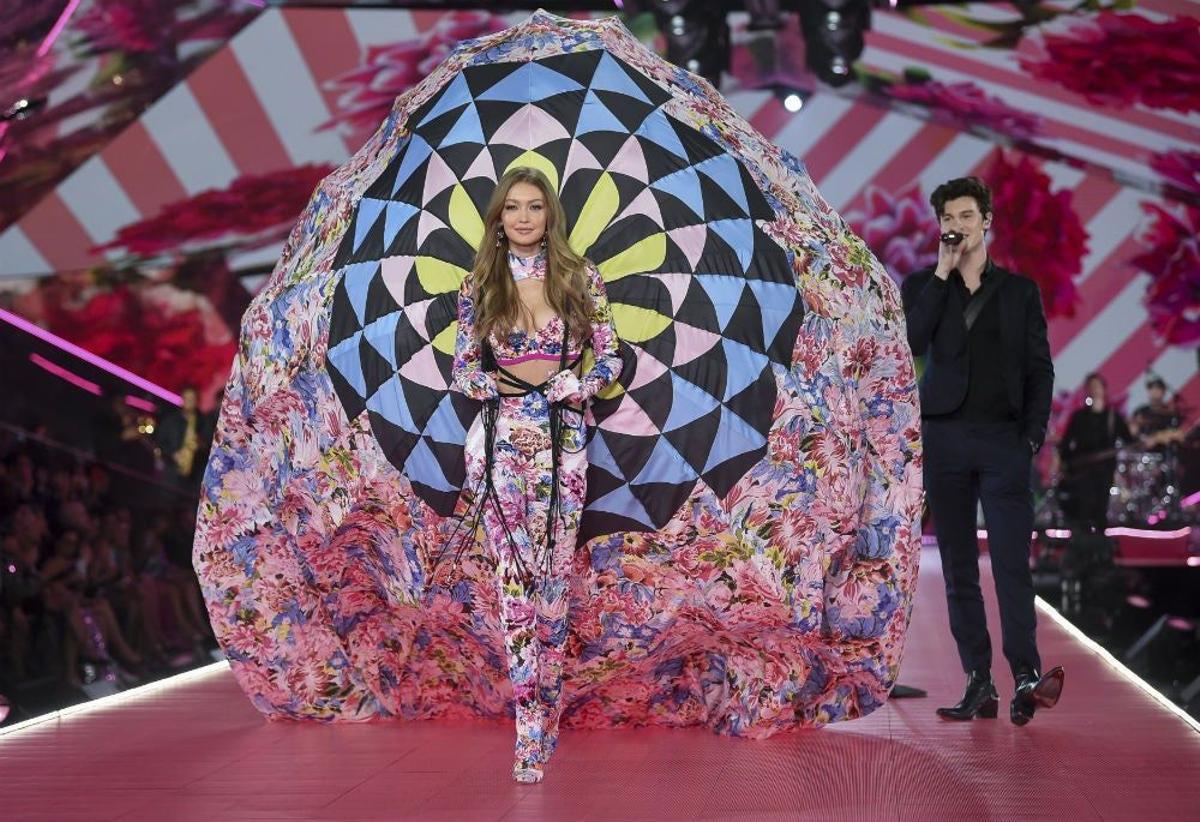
x: 962, y: 187
x: 1096, y: 375
x: 1156, y: 382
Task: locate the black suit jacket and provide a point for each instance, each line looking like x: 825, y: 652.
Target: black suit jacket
x: 934, y: 313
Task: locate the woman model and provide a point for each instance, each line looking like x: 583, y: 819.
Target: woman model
x: 525, y: 314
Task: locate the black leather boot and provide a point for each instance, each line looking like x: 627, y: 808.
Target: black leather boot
x: 1035, y: 691
x: 980, y: 699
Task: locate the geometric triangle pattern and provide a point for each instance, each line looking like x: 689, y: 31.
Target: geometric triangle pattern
x: 704, y: 301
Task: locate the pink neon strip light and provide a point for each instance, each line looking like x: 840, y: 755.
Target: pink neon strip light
x: 527, y: 358
x: 62, y: 373
x: 87, y: 356
x: 138, y: 402
x: 59, y: 25
x: 1143, y: 533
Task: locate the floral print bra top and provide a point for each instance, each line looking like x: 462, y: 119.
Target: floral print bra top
x: 544, y: 344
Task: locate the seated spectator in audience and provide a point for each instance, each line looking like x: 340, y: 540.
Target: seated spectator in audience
x: 90, y: 603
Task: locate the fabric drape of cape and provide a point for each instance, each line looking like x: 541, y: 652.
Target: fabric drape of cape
x: 749, y: 549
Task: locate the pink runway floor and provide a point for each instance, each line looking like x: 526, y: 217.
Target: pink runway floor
x: 196, y: 750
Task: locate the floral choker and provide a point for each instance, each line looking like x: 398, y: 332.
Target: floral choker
x: 524, y: 268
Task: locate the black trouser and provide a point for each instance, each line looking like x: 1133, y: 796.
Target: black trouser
x: 1090, y: 494
x: 967, y: 463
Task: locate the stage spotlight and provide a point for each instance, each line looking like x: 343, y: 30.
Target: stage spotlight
x: 697, y: 36
x: 793, y: 102
x: 834, y: 35
x: 23, y: 108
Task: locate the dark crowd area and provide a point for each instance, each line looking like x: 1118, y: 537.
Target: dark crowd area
x: 97, y: 594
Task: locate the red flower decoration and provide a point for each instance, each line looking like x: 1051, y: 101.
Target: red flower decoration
x: 126, y: 25
x: 899, y: 228
x: 1121, y: 59
x: 1172, y: 259
x: 168, y: 335
x: 1036, y: 232
x: 261, y: 208
x: 367, y: 92
x: 1180, y: 168
x: 966, y: 104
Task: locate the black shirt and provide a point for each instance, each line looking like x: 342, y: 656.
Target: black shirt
x: 1151, y: 420
x: 987, y: 396
x: 1092, y: 433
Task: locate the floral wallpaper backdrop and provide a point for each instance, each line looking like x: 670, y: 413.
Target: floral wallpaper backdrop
x: 1095, y: 159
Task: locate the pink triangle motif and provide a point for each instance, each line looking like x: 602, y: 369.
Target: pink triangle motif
x: 395, y: 271
x: 438, y: 177
x: 528, y: 128
x: 628, y: 417
x: 692, y: 342
x: 648, y: 368
x: 422, y: 368
x: 691, y: 240
x: 631, y: 161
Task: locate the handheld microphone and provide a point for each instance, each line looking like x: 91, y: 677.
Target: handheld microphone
x: 953, y: 238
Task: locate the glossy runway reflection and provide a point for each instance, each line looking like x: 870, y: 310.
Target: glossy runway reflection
x: 197, y: 750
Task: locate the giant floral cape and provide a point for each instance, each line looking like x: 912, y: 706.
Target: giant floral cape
x: 750, y: 543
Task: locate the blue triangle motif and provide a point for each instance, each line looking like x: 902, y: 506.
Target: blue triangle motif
x: 609, y: 76
x: 444, y: 425
x: 595, y: 116
x: 418, y: 152
x: 740, y: 236
x: 656, y: 129
x: 666, y: 465
x: 422, y: 466
x: 723, y: 170
x: 468, y: 129
x: 745, y: 365
x: 368, y: 212
x: 622, y: 502
x: 397, y: 215
x: 357, y: 280
x: 381, y: 334
x: 599, y: 456
x: 684, y: 184
x: 455, y: 95
x: 734, y: 437
x: 688, y: 403
x: 389, y: 402
x: 778, y: 301
x: 725, y: 293
x: 344, y: 357
x: 530, y: 83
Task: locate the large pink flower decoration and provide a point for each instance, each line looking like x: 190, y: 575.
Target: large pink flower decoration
x: 1172, y: 259
x: 367, y: 92
x: 257, y: 209
x: 899, y: 228
x: 1035, y: 231
x: 1179, y: 168
x: 1121, y: 59
x: 966, y: 104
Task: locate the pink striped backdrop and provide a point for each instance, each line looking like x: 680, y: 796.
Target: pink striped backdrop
x: 255, y: 105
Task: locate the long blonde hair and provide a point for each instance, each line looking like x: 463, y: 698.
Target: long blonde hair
x: 497, y: 302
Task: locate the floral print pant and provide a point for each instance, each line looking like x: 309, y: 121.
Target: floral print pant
x: 534, y: 588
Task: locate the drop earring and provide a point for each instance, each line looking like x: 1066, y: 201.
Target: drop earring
x: 499, y: 236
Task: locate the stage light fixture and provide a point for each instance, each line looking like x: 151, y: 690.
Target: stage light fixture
x: 793, y: 102
x: 834, y: 36
x: 697, y: 36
